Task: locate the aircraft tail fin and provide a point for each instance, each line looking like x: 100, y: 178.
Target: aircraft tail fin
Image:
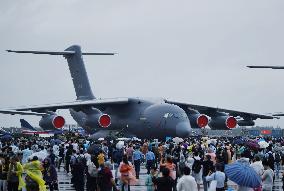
x: 26, y: 125
x: 77, y: 69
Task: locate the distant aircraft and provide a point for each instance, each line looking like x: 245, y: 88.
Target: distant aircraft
x: 275, y: 68
x: 271, y: 67
x: 28, y: 129
x: 140, y: 117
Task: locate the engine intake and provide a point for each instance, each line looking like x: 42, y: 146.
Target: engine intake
x: 223, y: 122
x: 198, y: 120
x: 51, y: 122
x: 104, y: 120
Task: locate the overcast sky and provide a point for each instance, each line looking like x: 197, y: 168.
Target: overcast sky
x: 190, y: 51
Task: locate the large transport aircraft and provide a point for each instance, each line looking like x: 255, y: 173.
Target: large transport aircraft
x: 140, y: 117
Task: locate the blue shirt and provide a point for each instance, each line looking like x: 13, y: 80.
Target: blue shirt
x: 219, y: 177
x: 137, y: 155
x: 150, y: 156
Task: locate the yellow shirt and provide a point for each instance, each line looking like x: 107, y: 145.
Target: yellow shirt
x: 101, y: 158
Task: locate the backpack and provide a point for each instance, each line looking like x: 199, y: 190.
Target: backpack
x: 92, y: 170
x: 196, y: 167
x: 277, y: 157
x: 80, y: 162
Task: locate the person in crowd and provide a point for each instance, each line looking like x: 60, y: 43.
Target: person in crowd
x: 52, y: 157
x: 126, y: 174
x: 137, y: 158
x: 169, y: 165
x: 105, y: 150
x: 68, y: 155
x: 267, y: 177
x: 150, y: 160
x: 257, y: 165
x: 164, y: 183
x: 129, y: 152
x: 277, y: 160
x: 207, y: 169
x: 149, y: 180
x: 14, y: 175
x: 78, y: 171
x: 197, y: 169
x: 105, y: 179
x: 181, y: 165
x: 4, y: 167
x: 92, y: 174
x: 50, y: 174
x: 219, y: 176
x: 101, y: 157
x: 26, y: 154
x: 61, y: 156
x: 34, y: 180
x: 186, y: 182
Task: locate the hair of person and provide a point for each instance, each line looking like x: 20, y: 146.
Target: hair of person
x: 35, y: 158
x: 124, y: 159
x: 265, y: 163
x: 218, y: 167
x: 169, y: 159
x: 186, y: 170
x: 257, y: 158
x: 208, y: 157
x: 165, y: 172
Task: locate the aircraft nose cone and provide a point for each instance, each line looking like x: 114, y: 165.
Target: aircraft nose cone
x: 183, y: 129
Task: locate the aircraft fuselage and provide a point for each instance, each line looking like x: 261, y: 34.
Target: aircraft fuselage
x: 143, y: 118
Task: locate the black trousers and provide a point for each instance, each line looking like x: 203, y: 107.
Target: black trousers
x: 13, y: 186
x: 137, y: 167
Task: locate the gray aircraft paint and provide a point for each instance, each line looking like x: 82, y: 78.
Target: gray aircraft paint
x: 142, y: 117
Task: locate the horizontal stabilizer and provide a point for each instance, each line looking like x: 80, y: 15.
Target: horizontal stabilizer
x: 65, y: 53
x: 271, y: 67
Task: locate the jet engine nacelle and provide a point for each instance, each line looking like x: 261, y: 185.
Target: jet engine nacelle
x: 223, y: 122
x: 198, y: 120
x: 99, y: 119
x: 51, y: 122
x: 246, y: 123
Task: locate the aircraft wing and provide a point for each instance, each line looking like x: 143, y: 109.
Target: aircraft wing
x: 213, y: 110
x: 15, y: 112
x: 67, y: 105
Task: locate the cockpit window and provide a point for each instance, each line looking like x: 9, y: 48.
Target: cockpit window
x: 168, y: 115
x: 176, y: 115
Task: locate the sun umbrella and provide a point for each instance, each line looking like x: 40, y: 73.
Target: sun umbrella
x: 238, y: 141
x: 120, y: 144
x: 177, y: 140
x: 243, y: 175
x: 252, y: 144
x: 261, y: 139
x: 6, y: 137
x: 263, y: 144
x: 278, y: 149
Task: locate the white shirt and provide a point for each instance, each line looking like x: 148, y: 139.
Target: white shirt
x: 186, y: 183
x: 258, y: 167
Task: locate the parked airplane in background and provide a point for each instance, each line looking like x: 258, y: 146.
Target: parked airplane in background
x: 271, y: 67
x: 144, y: 118
x: 28, y: 129
x: 275, y: 68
